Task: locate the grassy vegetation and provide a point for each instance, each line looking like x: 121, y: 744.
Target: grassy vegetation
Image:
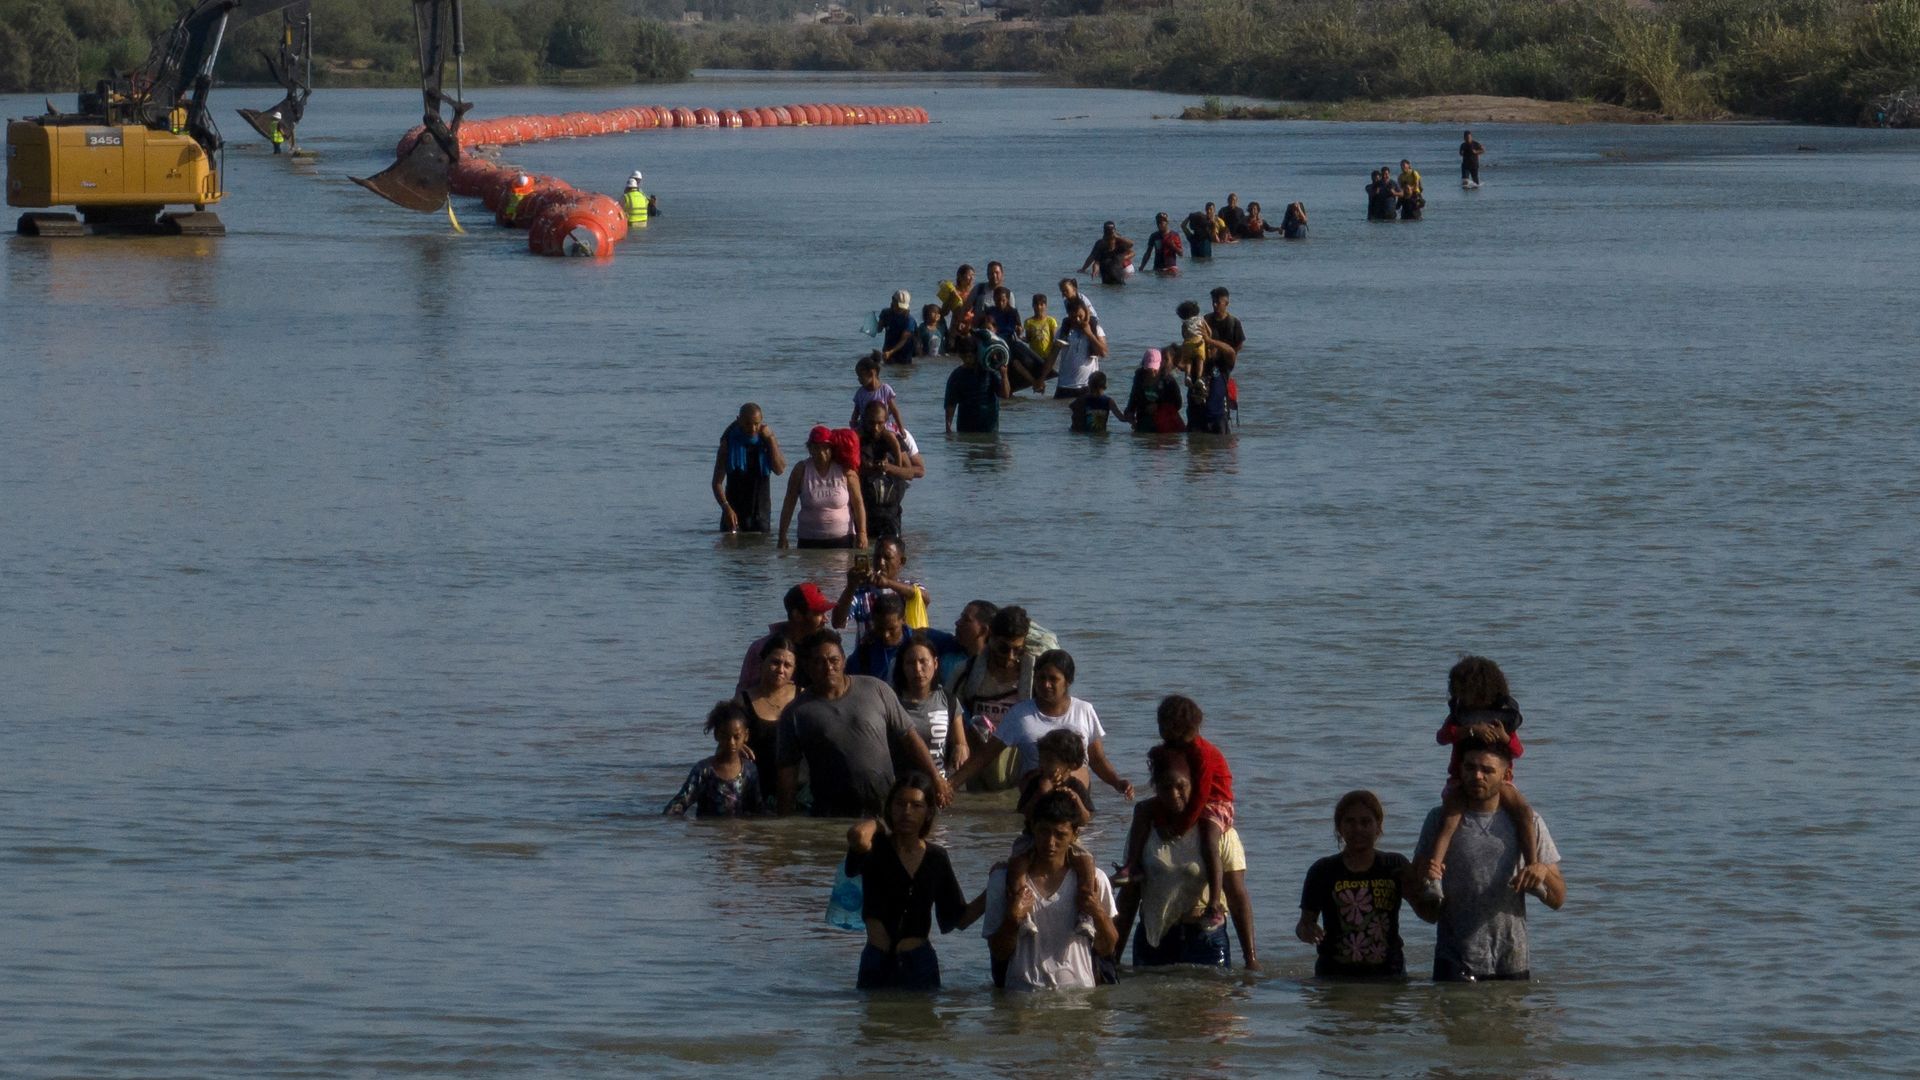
x: 1813, y: 60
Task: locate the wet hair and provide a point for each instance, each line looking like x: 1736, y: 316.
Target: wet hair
x: 916, y: 781
x: 965, y: 269
x: 1476, y: 683
x: 888, y: 603
x: 894, y: 542
x: 1058, y: 660
x: 1209, y: 206
x: 750, y: 407
x: 775, y: 643
x: 1109, y: 225
x: 981, y: 611
x: 1364, y: 798
x: 1010, y: 623
x: 812, y: 643
x: 1179, y: 717
x: 1220, y: 291
x: 727, y: 712
x: 1163, y: 762
x: 1056, y: 807
x: 875, y: 411
x: 870, y: 362
x: 1187, y: 309
x: 1485, y: 738
x: 1039, y: 299
x: 1063, y: 746
x: 1097, y: 381
x: 914, y: 639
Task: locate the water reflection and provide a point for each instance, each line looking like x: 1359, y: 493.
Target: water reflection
x: 981, y: 453
x: 138, y: 273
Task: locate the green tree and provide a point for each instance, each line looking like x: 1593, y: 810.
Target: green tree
x: 579, y: 35
x: 16, y: 62
x: 658, y: 54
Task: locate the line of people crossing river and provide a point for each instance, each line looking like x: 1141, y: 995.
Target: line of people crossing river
x: 891, y: 721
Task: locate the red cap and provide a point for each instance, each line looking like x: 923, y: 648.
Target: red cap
x: 809, y: 594
x: 821, y: 433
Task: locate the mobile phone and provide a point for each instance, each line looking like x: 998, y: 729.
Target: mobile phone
x: 863, y: 564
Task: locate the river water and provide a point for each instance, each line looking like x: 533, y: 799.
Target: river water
x: 361, y: 604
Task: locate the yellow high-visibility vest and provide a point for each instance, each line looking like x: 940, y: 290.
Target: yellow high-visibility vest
x: 636, y: 203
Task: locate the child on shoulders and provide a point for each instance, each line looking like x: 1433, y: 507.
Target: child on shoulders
x: 1210, y: 809
x: 1063, y: 754
x: 873, y: 390
x: 1477, y: 694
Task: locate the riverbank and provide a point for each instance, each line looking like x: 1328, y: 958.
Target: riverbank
x: 1435, y: 109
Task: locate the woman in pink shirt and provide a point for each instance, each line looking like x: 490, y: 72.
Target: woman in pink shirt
x: 831, y: 513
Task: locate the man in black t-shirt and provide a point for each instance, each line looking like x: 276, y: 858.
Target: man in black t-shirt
x: 1470, y: 151
x: 1224, y: 328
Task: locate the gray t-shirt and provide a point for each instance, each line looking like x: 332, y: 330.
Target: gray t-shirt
x: 1483, y: 922
x: 847, y: 745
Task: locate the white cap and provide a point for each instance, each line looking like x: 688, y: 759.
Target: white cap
x: 901, y: 298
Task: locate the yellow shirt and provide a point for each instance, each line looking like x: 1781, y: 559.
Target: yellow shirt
x: 1410, y: 181
x: 1039, y: 334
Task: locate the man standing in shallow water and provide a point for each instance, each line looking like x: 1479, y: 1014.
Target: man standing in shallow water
x: 1482, y: 912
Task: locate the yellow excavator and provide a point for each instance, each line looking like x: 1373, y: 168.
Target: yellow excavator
x: 137, y: 145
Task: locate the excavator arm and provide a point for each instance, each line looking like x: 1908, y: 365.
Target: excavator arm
x: 418, y: 179
x: 292, y: 68
x: 178, y: 72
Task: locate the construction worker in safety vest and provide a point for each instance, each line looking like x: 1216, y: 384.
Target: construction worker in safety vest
x: 275, y: 131
x: 522, y: 187
x: 639, y: 206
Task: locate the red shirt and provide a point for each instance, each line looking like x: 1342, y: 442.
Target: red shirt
x: 1212, y: 780
x: 1449, y: 735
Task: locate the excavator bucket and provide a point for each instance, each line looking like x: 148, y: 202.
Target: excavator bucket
x: 417, y: 181
x: 259, y: 119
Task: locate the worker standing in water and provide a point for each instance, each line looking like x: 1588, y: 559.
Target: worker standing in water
x: 275, y: 131
x: 522, y: 187
x: 639, y: 206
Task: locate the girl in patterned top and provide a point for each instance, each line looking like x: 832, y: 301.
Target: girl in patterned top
x: 726, y: 784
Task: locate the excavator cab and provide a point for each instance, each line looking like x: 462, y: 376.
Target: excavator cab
x: 137, y: 145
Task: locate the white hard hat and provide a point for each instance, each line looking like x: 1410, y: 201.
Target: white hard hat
x: 635, y: 178
x: 276, y: 114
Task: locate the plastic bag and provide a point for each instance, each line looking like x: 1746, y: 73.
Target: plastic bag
x: 917, y: 609
x: 844, y: 903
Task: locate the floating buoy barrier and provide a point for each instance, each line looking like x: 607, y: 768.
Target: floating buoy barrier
x: 560, y: 219
x: 514, y: 130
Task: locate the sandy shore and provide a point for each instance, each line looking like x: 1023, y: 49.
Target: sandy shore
x: 1446, y: 109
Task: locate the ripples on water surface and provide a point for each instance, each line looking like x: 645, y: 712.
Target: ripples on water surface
x: 360, y: 606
